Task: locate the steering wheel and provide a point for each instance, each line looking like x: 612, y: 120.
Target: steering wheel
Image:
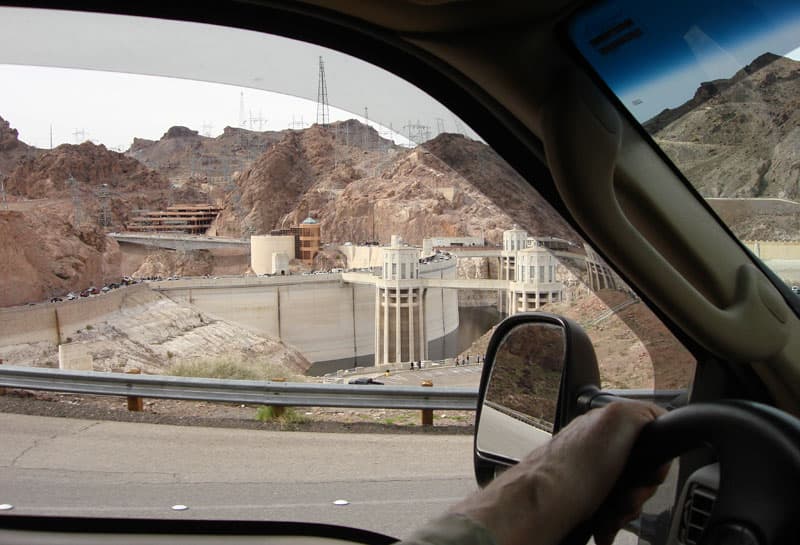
x: 758, y: 450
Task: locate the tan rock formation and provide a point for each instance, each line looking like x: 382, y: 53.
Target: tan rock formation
x: 44, y: 255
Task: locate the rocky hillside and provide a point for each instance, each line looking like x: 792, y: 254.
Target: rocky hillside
x: 739, y: 137
x: 43, y: 254
x: 130, y: 185
x: 449, y: 186
x: 182, y: 154
x: 12, y: 150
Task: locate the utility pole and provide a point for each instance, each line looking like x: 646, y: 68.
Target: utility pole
x: 323, y: 111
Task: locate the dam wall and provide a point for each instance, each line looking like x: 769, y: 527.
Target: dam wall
x: 55, y: 322
x: 324, y: 318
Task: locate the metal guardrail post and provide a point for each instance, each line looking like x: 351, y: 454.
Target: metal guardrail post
x: 427, y: 414
x: 278, y: 410
x: 135, y: 403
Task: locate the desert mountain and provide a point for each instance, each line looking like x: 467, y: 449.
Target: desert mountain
x: 182, y: 154
x: 448, y: 186
x: 43, y: 254
x: 302, y: 174
x: 78, y: 172
x: 12, y: 149
x: 739, y: 137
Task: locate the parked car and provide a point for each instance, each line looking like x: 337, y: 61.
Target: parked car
x: 364, y: 380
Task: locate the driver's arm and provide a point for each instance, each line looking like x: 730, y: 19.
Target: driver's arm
x: 555, y: 488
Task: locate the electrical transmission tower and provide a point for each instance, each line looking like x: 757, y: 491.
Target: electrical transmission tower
x: 323, y: 111
x: 439, y: 126
x: 297, y: 124
x: 417, y: 133
x: 260, y: 121
x: 103, y: 194
x: 75, y: 191
x: 80, y: 135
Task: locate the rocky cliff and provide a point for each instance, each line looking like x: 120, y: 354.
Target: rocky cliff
x: 449, y: 186
x: 12, y: 150
x: 43, y: 255
x: 739, y: 137
x: 182, y: 154
x: 81, y: 174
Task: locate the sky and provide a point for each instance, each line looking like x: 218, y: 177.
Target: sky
x: 113, y: 108
x: 681, y: 44
x: 101, y: 77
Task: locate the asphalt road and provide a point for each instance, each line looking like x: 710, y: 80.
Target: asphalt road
x: 77, y: 467
x: 467, y: 376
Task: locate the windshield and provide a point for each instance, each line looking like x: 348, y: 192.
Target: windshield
x: 716, y: 85
x: 172, y: 213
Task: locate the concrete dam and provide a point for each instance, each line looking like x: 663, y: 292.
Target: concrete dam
x: 332, y: 322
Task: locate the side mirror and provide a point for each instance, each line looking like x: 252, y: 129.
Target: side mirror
x: 536, y: 366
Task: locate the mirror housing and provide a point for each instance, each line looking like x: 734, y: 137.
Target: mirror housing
x: 537, y: 365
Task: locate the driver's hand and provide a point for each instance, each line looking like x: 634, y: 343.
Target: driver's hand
x: 568, y: 481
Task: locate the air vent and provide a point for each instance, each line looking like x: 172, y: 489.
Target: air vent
x: 696, y: 513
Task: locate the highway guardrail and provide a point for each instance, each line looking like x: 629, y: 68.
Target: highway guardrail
x: 296, y: 394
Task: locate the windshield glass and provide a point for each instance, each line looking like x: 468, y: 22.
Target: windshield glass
x: 310, y: 225
x: 716, y: 85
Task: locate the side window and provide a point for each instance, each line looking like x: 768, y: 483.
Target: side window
x: 188, y: 223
